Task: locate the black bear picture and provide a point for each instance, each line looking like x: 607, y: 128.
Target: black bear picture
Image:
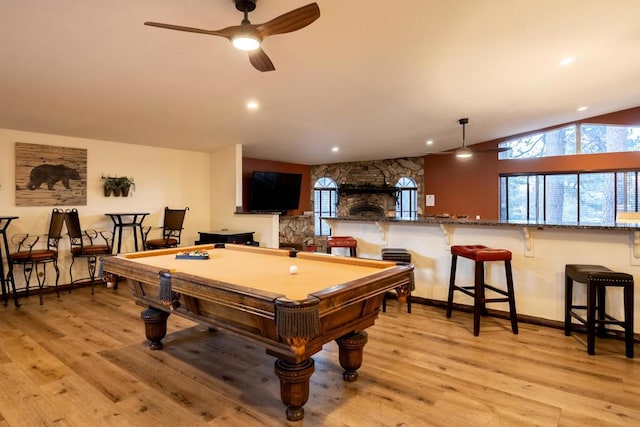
x: 51, y: 174
x: 48, y: 175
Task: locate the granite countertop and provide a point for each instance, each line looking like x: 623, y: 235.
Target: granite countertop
x: 493, y: 223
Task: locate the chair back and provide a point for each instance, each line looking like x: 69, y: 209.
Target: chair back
x: 72, y: 220
x: 173, y: 221
x: 55, y: 228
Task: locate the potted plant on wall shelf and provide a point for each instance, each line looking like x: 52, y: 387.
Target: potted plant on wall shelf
x: 117, y: 185
x: 109, y: 185
x: 126, y: 184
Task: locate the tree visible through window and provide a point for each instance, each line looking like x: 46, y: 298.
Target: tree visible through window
x: 325, y: 202
x: 569, y: 140
x: 584, y: 197
x: 407, y: 202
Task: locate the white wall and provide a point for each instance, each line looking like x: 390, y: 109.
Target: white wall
x: 163, y: 177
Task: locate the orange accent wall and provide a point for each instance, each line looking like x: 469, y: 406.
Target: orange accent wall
x: 249, y: 165
x: 470, y: 187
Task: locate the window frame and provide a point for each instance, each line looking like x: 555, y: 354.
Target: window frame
x: 324, y: 186
x: 576, y: 146
x: 621, y: 202
x: 411, y: 191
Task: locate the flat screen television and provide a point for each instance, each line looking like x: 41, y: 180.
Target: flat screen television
x: 274, y: 191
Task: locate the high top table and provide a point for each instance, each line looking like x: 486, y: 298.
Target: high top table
x: 4, y: 254
x: 128, y: 219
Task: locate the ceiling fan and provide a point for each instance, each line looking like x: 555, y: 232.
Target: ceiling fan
x: 248, y: 36
x: 465, y: 152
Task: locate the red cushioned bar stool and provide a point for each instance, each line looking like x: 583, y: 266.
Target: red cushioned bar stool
x: 342, y: 242
x: 481, y: 254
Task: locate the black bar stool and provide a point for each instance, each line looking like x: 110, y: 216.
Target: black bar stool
x: 598, y: 278
x: 400, y: 256
x: 481, y: 254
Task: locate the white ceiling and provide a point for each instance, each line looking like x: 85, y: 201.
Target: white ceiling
x: 376, y: 78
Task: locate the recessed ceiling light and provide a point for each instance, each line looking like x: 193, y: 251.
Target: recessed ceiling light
x: 252, y: 105
x: 429, y: 142
x: 335, y: 149
x: 567, y: 60
x: 583, y: 108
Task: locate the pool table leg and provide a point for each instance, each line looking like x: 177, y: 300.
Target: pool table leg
x: 155, y: 326
x: 351, y: 346
x: 294, y: 385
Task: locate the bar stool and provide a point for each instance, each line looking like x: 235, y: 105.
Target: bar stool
x: 400, y: 256
x: 342, y: 242
x: 598, y: 278
x: 481, y: 254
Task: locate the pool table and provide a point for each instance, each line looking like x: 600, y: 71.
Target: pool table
x: 252, y: 292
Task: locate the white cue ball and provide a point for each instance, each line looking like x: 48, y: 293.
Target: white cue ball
x: 293, y: 269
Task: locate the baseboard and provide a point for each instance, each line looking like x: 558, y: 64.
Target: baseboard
x: 533, y: 320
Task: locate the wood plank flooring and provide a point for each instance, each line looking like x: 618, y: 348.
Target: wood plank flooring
x: 82, y: 360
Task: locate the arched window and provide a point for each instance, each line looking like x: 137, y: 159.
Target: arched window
x: 407, y: 203
x: 325, y: 204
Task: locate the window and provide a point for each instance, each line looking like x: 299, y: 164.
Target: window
x: 325, y: 202
x: 608, y: 138
x: 556, y: 142
x: 407, y: 202
x: 569, y: 140
x: 584, y: 197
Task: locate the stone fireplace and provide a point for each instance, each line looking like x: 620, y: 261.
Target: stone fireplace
x: 366, y: 192
x: 365, y: 202
x: 367, y: 189
x: 366, y: 210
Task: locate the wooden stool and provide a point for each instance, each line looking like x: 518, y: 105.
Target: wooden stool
x: 400, y: 256
x: 481, y: 254
x: 342, y: 242
x: 598, y: 278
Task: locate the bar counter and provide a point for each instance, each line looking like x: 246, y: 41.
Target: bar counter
x: 623, y: 226
x: 540, y: 253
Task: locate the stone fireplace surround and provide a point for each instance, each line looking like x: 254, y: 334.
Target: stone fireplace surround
x: 367, y: 205
x: 366, y: 189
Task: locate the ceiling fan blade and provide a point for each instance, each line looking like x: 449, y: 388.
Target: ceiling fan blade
x: 472, y: 150
x: 227, y: 33
x: 260, y: 60
x: 492, y: 150
x: 290, y: 21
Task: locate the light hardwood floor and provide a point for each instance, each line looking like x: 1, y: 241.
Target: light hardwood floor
x: 82, y: 360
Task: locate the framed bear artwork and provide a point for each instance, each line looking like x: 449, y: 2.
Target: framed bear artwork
x: 49, y: 175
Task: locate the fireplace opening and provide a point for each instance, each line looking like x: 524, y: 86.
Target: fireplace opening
x: 366, y: 211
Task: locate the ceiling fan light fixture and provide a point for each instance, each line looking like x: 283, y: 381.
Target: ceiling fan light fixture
x: 246, y: 42
x: 464, y: 153
x: 248, y: 37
